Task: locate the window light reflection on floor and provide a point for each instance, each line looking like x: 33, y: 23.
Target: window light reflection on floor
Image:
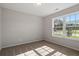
x: 44, y: 50
x: 58, y: 54
x: 31, y: 53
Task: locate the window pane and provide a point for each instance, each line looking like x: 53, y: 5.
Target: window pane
x: 67, y: 19
x: 67, y: 26
x: 77, y: 26
x: 70, y: 26
x: 77, y: 18
x: 58, y: 26
x: 72, y: 19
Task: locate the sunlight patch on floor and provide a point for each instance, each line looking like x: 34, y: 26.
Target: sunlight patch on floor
x: 20, y: 54
x: 31, y: 53
x: 44, y: 50
x: 58, y: 54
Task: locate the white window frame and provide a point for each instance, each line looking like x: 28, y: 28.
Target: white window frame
x: 64, y: 25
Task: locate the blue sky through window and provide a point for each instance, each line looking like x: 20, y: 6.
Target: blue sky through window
x: 77, y: 16
x: 72, y: 18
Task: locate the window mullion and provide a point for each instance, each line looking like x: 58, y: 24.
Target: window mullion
x: 64, y: 27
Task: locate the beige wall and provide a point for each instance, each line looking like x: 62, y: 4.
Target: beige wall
x: 48, y: 29
x: 19, y: 28
x: 0, y: 28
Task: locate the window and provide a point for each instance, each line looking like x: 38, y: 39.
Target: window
x: 58, y: 26
x: 67, y: 26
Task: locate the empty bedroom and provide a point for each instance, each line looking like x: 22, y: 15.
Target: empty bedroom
x: 39, y: 29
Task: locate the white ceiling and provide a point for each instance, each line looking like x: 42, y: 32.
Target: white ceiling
x: 38, y: 10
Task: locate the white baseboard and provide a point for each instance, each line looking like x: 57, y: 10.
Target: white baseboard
x: 20, y: 43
